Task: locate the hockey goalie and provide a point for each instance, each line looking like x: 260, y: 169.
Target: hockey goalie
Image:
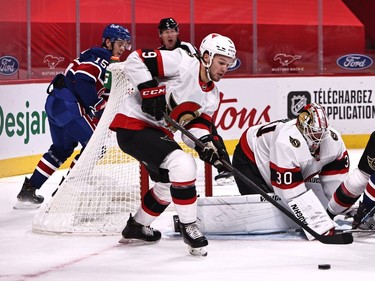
x: 282, y: 158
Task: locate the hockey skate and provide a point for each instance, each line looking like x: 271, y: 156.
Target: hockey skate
x: 194, y: 239
x: 363, y: 219
x: 225, y: 178
x: 27, y: 199
x: 136, y: 231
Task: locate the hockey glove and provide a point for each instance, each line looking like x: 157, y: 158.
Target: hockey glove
x: 213, y: 151
x: 153, y: 98
x: 98, y: 108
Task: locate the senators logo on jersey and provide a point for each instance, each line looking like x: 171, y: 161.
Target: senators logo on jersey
x: 296, y: 143
x: 334, y: 136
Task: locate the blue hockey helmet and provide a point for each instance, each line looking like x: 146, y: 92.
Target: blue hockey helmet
x: 115, y: 32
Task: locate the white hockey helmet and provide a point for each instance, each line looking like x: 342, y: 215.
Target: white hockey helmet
x: 313, y: 124
x: 216, y: 44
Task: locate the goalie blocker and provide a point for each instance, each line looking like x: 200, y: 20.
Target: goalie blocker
x: 253, y: 214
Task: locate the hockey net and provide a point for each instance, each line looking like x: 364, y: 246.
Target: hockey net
x: 106, y: 184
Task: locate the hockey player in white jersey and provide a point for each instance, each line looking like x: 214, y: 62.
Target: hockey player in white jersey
x: 361, y: 181
x: 183, y: 86
x: 281, y: 156
x: 168, y: 33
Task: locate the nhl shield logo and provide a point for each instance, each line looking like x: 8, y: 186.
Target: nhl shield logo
x: 296, y: 102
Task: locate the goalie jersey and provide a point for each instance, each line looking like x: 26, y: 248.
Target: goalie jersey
x: 185, y: 92
x: 284, y: 160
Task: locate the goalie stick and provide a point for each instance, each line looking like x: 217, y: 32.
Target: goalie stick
x: 343, y: 238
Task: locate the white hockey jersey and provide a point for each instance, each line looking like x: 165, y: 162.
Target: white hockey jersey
x: 179, y: 72
x: 284, y: 160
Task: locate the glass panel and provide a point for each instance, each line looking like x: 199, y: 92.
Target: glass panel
x: 232, y: 19
x: 351, y: 26
x: 53, y: 37
x: 95, y: 15
x: 148, y: 14
x: 287, y: 37
x: 13, y: 41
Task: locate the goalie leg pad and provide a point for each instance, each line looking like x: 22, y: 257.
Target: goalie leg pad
x: 309, y: 210
x: 249, y: 214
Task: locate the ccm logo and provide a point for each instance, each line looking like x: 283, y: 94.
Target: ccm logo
x: 153, y: 92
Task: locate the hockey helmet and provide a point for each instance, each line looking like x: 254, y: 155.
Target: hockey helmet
x: 216, y: 44
x: 313, y: 124
x: 167, y: 23
x: 115, y: 32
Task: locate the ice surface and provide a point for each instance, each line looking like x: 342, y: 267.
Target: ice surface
x: 25, y: 255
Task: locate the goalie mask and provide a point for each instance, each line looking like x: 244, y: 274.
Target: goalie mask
x: 216, y: 44
x: 313, y: 124
x: 116, y: 32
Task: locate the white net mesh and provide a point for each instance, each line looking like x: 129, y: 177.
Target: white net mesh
x: 104, y: 186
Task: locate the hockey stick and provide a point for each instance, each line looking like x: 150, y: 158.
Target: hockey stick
x: 343, y: 238
x: 370, y: 213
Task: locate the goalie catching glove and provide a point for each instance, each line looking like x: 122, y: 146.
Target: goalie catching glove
x: 153, y: 98
x: 213, y: 151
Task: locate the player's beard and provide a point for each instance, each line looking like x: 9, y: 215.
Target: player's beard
x: 213, y: 76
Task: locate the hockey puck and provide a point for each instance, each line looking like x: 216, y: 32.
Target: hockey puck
x: 324, y: 266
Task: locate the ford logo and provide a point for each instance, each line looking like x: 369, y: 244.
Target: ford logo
x: 8, y: 65
x: 354, y: 61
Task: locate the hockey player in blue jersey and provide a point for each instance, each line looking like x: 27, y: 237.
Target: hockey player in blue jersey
x: 76, y: 100
x: 360, y: 182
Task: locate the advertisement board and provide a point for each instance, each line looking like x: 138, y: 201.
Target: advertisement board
x: 349, y: 103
